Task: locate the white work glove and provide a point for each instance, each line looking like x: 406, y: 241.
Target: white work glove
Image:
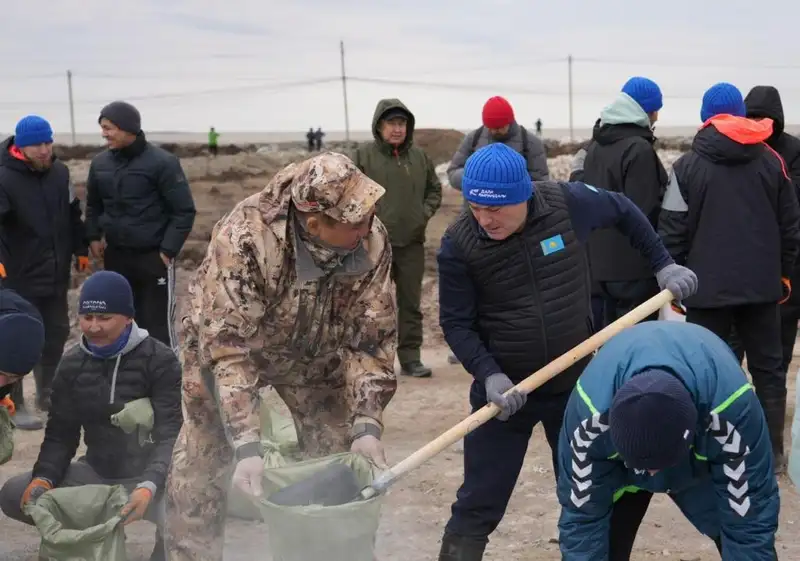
x: 247, y: 475
x: 496, y: 386
x: 372, y: 449
x: 682, y: 282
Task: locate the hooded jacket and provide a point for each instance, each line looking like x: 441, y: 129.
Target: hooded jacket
x: 731, y: 214
x: 621, y: 158
x: 413, y: 191
x: 729, y: 463
x: 89, y: 389
x: 537, y: 158
x: 40, y: 225
x: 765, y: 102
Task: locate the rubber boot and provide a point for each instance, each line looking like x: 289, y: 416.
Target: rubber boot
x: 775, y: 412
x: 159, y: 551
x: 23, y: 419
x: 42, y: 392
x: 416, y: 369
x: 462, y: 548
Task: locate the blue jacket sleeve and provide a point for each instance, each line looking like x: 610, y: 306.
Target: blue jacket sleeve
x: 458, y: 313
x: 592, y: 209
x: 740, y: 457
x: 587, y: 483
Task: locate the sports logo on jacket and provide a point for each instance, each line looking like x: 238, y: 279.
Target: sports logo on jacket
x: 586, y: 433
x: 735, y: 467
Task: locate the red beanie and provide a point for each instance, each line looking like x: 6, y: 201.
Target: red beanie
x: 497, y: 113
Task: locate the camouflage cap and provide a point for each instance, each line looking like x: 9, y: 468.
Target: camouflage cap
x: 331, y: 183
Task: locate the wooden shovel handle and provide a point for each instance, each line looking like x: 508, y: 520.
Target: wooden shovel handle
x: 526, y: 386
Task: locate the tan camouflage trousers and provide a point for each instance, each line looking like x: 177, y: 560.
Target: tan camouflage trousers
x: 201, y: 471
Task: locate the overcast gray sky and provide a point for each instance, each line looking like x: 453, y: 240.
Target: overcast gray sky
x: 235, y: 64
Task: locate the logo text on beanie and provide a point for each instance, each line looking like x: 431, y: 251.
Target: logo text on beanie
x: 94, y: 306
x: 486, y: 194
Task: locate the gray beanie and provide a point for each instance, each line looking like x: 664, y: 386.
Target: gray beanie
x: 124, y: 115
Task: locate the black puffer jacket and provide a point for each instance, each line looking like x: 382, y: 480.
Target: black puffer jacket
x: 88, y: 389
x: 40, y: 225
x: 765, y: 101
x: 139, y: 198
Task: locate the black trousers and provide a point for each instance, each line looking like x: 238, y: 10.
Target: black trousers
x: 620, y: 297
x: 493, y: 457
x: 758, y: 326
x: 153, y: 285
x: 55, y: 317
x: 790, y: 315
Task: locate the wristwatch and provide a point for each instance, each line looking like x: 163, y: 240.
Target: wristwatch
x: 364, y: 429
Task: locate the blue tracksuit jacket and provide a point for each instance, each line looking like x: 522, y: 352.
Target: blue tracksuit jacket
x: 726, y: 486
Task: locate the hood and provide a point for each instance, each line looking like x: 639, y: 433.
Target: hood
x: 135, y: 339
x: 730, y: 139
x: 624, y: 111
x: 765, y: 101
x: 385, y: 105
x: 7, y: 159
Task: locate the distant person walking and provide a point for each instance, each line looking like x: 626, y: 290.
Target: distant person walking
x: 539, y: 128
x: 41, y: 231
x: 213, y: 137
x: 311, y: 137
x: 413, y: 195
x: 139, y: 212
x: 318, y: 138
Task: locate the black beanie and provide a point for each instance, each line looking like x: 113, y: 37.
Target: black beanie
x: 124, y: 115
x: 652, y: 420
x: 106, y: 292
x: 21, y: 334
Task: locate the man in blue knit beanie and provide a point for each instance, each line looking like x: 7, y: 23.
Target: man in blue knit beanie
x: 731, y: 213
x: 513, y: 296
x: 621, y: 158
x: 664, y: 407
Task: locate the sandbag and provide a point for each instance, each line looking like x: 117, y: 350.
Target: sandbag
x: 320, y: 533
x: 279, y: 442
x: 81, y: 523
x: 794, y: 452
x: 6, y: 435
x: 137, y: 415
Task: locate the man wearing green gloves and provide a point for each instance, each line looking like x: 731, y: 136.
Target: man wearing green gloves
x: 413, y: 195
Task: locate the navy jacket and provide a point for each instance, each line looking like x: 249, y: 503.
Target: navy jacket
x: 725, y: 486
x: 589, y: 209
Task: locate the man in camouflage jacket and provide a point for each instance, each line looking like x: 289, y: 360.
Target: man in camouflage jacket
x: 295, y: 292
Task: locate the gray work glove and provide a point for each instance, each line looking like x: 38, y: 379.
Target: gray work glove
x: 682, y: 282
x: 496, y: 386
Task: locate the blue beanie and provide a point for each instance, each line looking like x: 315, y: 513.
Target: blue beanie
x: 645, y: 92
x: 32, y: 130
x: 21, y: 334
x: 496, y: 175
x: 652, y: 420
x: 722, y: 98
x: 106, y: 292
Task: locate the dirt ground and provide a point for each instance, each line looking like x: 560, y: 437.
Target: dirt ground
x: 417, y: 507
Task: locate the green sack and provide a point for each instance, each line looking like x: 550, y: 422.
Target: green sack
x: 279, y: 441
x: 81, y: 523
x: 136, y: 415
x: 316, y: 533
x: 6, y: 435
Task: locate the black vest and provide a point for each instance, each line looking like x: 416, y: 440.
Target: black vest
x: 532, y: 288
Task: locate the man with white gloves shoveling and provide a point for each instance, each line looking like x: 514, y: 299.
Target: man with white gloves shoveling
x: 514, y: 295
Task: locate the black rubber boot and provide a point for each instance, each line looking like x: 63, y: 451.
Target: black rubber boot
x: 23, y: 419
x: 775, y: 412
x: 159, y: 552
x: 416, y: 369
x: 462, y: 548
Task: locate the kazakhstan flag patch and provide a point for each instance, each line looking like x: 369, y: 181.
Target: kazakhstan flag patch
x: 551, y: 245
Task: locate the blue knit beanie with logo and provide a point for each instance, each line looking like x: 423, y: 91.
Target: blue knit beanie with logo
x: 652, y: 420
x: 645, y: 92
x: 722, y: 99
x: 106, y: 292
x: 496, y: 175
x: 32, y: 130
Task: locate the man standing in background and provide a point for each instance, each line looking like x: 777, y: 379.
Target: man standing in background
x: 413, y: 195
x: 213, y: 138
x: 139, y: 212
x: 40, y: 231
x: 621, y: 158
